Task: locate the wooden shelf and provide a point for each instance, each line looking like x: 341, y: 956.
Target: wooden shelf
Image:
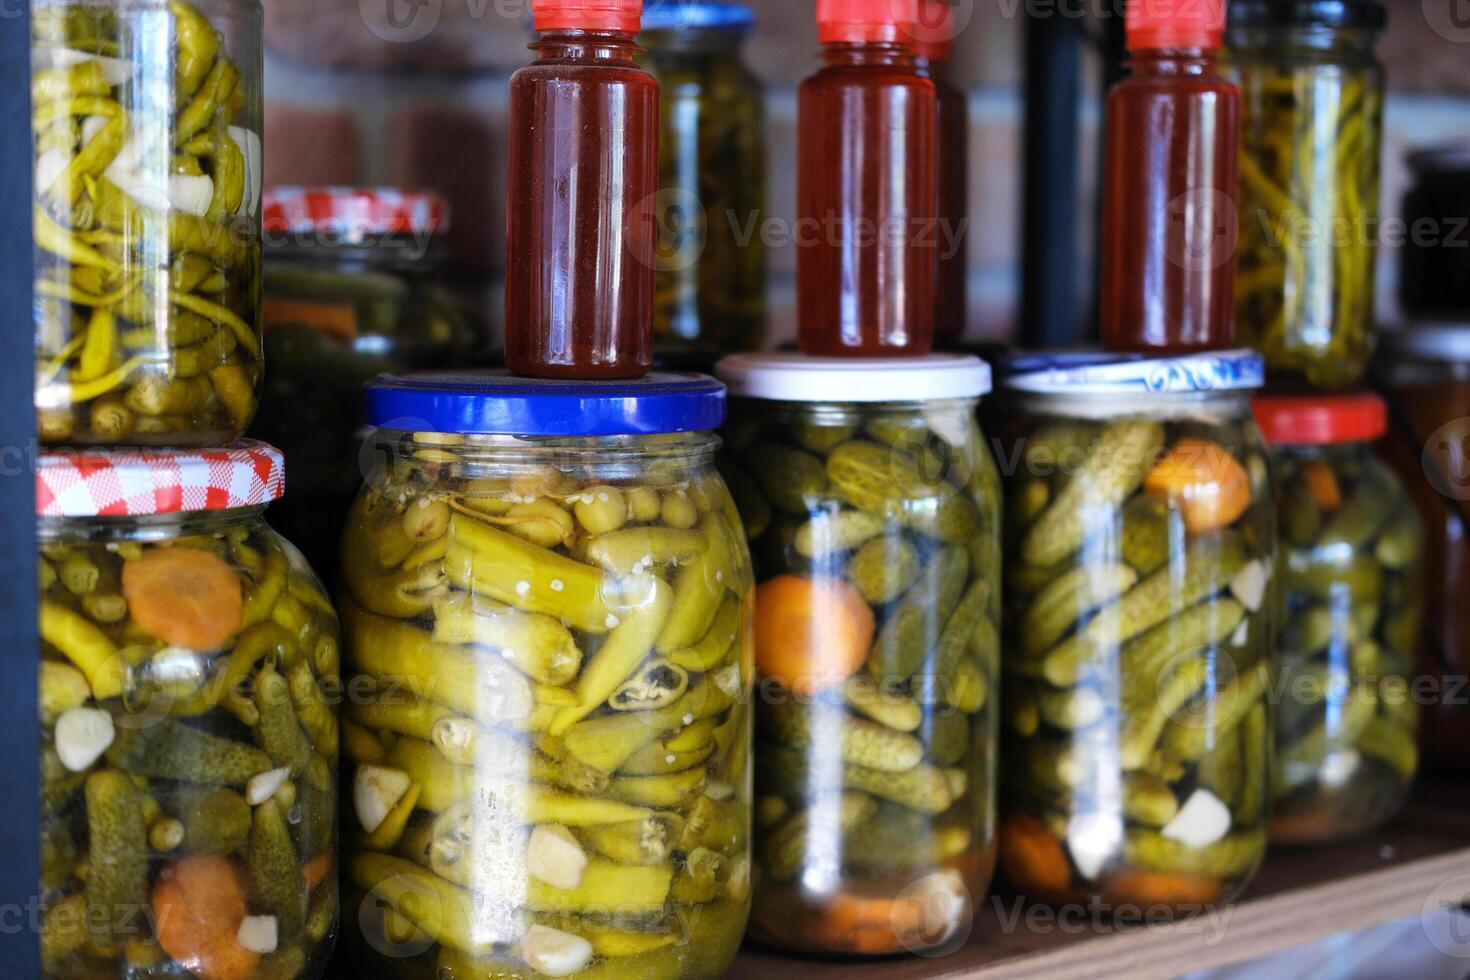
x: 1299, y: 896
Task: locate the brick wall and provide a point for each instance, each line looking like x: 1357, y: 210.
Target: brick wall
x: 413, y: 92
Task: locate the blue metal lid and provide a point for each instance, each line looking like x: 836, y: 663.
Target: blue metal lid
x: 675, y: 15
x: 1098, y: 372
x: 499, y: 403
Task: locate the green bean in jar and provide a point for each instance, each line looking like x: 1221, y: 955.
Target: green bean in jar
x: 553, y: 631
x: 146, y: 220
x: 1139, y: 555
x: 873, y: 508
x: 188, y: 683
x: 1351, y: 609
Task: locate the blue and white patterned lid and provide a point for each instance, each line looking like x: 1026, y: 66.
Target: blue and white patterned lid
x: 1102, y: 373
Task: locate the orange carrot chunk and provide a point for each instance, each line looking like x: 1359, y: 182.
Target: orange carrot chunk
x: 1209, y: 486
x: 1156, y: 888
x: 198, y: 905
x: 1322, y: 484
x: 184, y: 596
x: 1032, y: 857
x: 810, y: 633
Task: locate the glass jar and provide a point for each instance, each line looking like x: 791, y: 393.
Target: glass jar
x: 1434, y: 268
x: 188, y: 691
x: 872, y: 507
x: 354, y: 288
x: 933, y: 44
x: 147, y: 220
x: 1139, y: 553
x: 553, y: 628
x: 1312, y: 130
x: 711, y: 282
x: 1350, y: 608
x: 1425, y: 374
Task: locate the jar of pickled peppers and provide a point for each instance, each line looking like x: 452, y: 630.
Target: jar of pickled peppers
x: 354, y: 287
x: 188, y: 691
x: 547, y: 612
x: 1139, y: 553
x: 147, y: 219
x: 1424, y: 372
x: 872, y: 506
x: 1350, y: 608
x: 1312, y: 109
x: 710, y: 287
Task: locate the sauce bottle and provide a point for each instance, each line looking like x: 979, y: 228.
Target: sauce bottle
x: 866, y: 236
x: 934, y: 35
x: 1169, y: 209
x: 583, y: 178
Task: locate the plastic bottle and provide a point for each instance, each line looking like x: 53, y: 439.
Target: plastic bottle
x: 1170, y: 201
x: 867, y: 241
x: 583, y: 179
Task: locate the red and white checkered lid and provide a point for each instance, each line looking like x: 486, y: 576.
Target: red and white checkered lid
x: 354, y: 211
x: 140, y: 482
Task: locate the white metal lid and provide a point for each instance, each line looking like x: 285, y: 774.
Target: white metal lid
x: 792, y: 377
x: 1429, y: 340
x: 1103, y: 373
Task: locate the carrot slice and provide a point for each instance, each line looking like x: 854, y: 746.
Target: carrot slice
x: 184, y: 596
x: 1208, y: 484
x: 811, y: 633
x: 316, y: 870
x: 1322, y: 484
x: 1032, y: 857
x: 1157, y: 888
x: 198, y: 905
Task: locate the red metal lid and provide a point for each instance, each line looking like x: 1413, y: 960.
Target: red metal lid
x: 1310, y: 420
x: 860, y: 21
x: 621, y: 16
x: 1155, y: 24
x: 142, y: 482
x: 354, y: 211
x: 934, y: 30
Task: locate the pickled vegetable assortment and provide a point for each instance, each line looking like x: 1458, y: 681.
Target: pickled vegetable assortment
x: 1350, y: 591
x: 146, y: 218
x: 710, y: 289
x: 1139, y: 557
x: 189, y: 736
x: 556, y: 631
x: 875, y: 532
x: 1312, y: 109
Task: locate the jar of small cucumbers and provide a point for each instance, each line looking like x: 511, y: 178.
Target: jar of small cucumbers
x: 148, y: 168
x: 1351, y: 606
x: 1139, y: 555
x: 546, y: 618
x: 872, y: 506
x: 188, y: 692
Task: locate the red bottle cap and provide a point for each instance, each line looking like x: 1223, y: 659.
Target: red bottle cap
x: 621, y: 16
x: 1175, y: 24
x: 1310, y: 420
x: 859, y: 21
x: 934, y: 30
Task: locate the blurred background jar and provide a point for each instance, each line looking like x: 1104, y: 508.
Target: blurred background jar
x: 147, y: 220
x: 354, y: 287
x: 1312, y: 131
x: 548, y: 599
x: 1139, y: 552
x: 1424, y: 372
x: 1434, y: 260
x: 872, y: 506
x: 712, y: 178
x: 188, y: 677
x: 1351, y: 607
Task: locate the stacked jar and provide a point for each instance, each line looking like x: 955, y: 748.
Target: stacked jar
x: 1350, y: 605
x: 189, y: 658
x: 354, y: 287
x: 1140, y: 551
x: 710, y: 290
x: 873, y: 510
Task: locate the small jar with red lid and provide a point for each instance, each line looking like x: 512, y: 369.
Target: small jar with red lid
x: 188, y: 691
x: 1350, y: 605
x: 866, y: 237
x: 355, y: 286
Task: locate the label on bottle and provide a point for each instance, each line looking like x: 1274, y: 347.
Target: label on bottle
x: 338, y: 320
